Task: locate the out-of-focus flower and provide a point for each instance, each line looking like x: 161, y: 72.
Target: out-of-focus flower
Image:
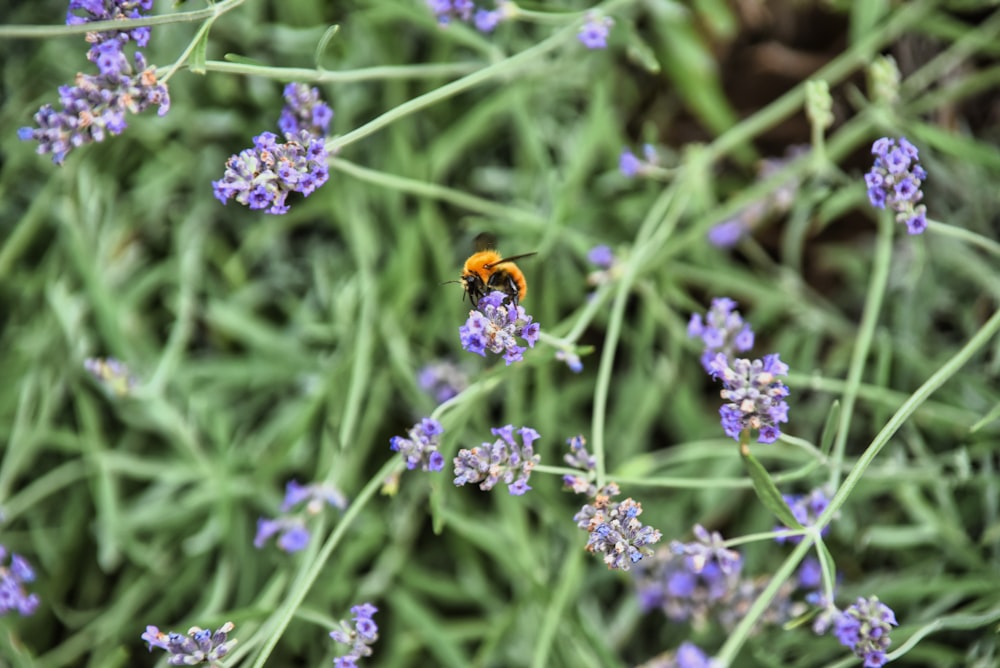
x: 594, y: 32
x: 198, y: 646
x: 112, y: 373
x: 13, y: 578
x: 502, y: 460
x: 442, y: 380
x: 304, y: 112
x: 314, y: 494
x: 360, y: 635
x: 293, y: 536
x: 894, y: 181
x: 773, y: 204
x: 466, y: 11
x: 631, y: 165
x: 865, y: 628
x: 754, y: 395
x: 689, y: 579
x: 571, y: 359
x: 806, y: 508
x: 496, y: 325
x: 421, y: 448
x: 722, y: 330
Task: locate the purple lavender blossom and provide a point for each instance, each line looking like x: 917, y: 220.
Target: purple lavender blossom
x: 579, y: 457
x: 421, y: 448
x: 112, y: 374
x: 442, y: 379
x: 571, y: 359
x: 756, y: 398
x: 95, y: 107
x: 110, y: 10
x: 198, y: 646
x: 615, y: 530
x: 594, y: 32
x: 496, y: 325
x: 262, y: 177
x: 13, y: 578
x: 502, y: 460
x: 778, y: 201
x: 689, y: 580
x: 360, y: 635
x: 314, y: 494
x: 304, y: 112
x: 864, y: 627
x: 690, y: 655
x: 722, y: 330
x: 293, y: 536
x: 894, y: 181
x: 806, y: 508
x: 631, y: 165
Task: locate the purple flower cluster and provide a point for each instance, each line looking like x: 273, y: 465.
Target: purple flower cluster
x: 262, y: 177
x: 690, y: 579
x: 109, y: 10
x: 775, y: 203
x: 578, y: 455
x: 615, y: 530
x: 865, y: 628
x: 722, y: 330
x: 595, y: 30
x: 13, y: 577
x: 442, y: 380
x: 96, y: 105
x: 198, y: 646
x: 496, y: 325
x: 806, y: 508
x: 894, y: 181
x: 360, y: 636
x: 688, y: 655
x: 755, y: 396
x: 304, y: 112
x: 632, y: 165
x: 421, y: 448
x: 466, y: 11
x: 608, y: 267
x: 112, y: 374
x: 502, y: 460
x: 291, y: 526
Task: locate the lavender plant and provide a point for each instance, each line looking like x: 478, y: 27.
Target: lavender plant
x: 859, y: 362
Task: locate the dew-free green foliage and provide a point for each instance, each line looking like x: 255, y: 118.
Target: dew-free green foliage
x: 268, y: 348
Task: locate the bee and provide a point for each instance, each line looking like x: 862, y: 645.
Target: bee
x: 487, y: 271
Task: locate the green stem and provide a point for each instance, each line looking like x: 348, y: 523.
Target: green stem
x: 38, y: 32
x: 863, y: 342
x: 314, y: 75
x: 965, y: 235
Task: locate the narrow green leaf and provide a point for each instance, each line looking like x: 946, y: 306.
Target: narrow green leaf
x: 989, y: 417
x: 830, y: 428
x: 768, y: 492
x: 241, y: 60
x: 801, y: 620
x: 196, y: 62
x: 324, y: 41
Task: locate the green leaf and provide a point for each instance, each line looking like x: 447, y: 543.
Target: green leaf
x: 324, y: 41
x: 242, y: 60
x: 768, y: 492
x: 989, y: 417
x: 829, y: 428
x: 801, y: 620
x: 196, y: 63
